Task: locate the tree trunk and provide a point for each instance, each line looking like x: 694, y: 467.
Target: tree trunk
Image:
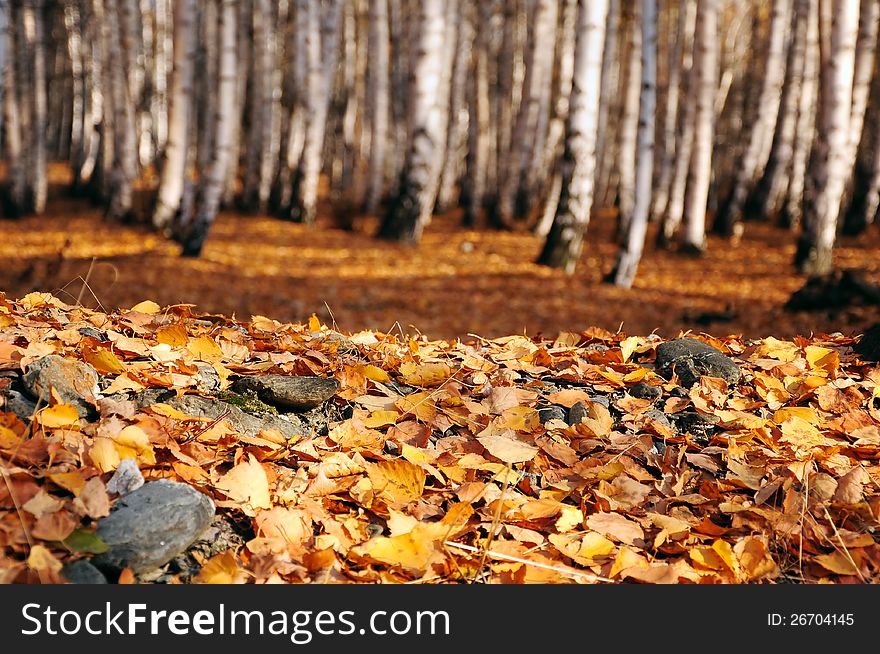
x: 174, y: 172
x: 772, y: 190
x: 35, y: 33
x: 806, y: 120
x: 815, y: 247
x: 476, y: 162
x: 761, y: 132
x: 629, y: 125
x: 535, y: 96
x: 410, y: 209
x: 379, y: 102
x: 684, y: 141
x: 624, y: 272
x: 706, y: 87
x: 193, y: 231
x: 124, y: 171
x: 562, y: 249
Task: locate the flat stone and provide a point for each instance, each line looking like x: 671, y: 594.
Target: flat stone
x: 244, y: 423
x: 691, y: 359
x: 83, y: 572
x: 150, y: 526
x: 74, y: 381
x: 289, y: 392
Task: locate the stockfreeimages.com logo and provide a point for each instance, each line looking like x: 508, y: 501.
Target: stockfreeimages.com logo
x: 299, y: 626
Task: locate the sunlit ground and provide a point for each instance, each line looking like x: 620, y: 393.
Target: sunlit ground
x: 458, y: 281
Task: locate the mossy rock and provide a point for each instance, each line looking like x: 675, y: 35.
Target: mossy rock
x: 248, y: 401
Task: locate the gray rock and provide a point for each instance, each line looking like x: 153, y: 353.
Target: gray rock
x: 83, y: 572
x: 552, y: 412
x: 289, y: 392
x: 152, y: 525
x: 699, y: 425
x: 579, y: 411
x: 645, y: 391
x: 74, y: 381
x: 601, y: 399
x: 207, y: 379
x: 691, y: 359
x: 21, y: 406
x: 207, y: 407
x: 126, y: 479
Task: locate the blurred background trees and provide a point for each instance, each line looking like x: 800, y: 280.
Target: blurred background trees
x: 526, y: 114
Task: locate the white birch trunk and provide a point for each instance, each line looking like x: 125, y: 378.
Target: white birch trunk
x: 174, y: 171
x: 564, y: 243
x: 761, y: 132
x: 410, y: 210
x: 624, y: 272
x: 380, y: 103
x: 829, y: 173
x: 629, y: 126
x: 806, y: 120
x: 699, y: 176
x: 538, y: 66
x: 192, y: 233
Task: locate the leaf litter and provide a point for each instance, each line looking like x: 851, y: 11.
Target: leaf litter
x: 437, y: 466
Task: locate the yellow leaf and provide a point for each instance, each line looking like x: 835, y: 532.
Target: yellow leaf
x: 104, y: 455
x: 725, y: 551
x: 169, y: 411
x: 60, y: 415
x: 173, y: 335
x: 222, y: 568
x: 381, y: 419
x: 133, y: 437
x: 72, y: 481
x: 104, y: 361
x: 801, y: 433
x: 397, y: 481
x: 806, y: 413
x: 247, y: 485
x: 8, y: 438
x: 413, y: 551
x: 421, y: 405
x: 427, y: 375
x: 583, y: 550
x: 375, y: 373
x: 148, y: 307
x: 506, y: 448
x: 41, y: 559
x: 123, y: 383
x: 521, y: 418
x: 570, y: 518
x: 204, y: 348
x: 822, y: 359
x: 628, y: 346
x: 755, y: 559
x: 772, y: 348
x: 314, y: 323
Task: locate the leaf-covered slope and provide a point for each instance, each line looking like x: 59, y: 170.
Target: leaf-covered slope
x: 505, y: 461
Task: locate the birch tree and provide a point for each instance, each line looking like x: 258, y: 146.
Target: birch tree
x: 815, y: 246
x: 564, y: 242
x: 174, y: 159
x: 410, y: 209
x: 624, y: 272
x: 699, y: 176
x: 761, y: 132
x: 193, y: 230
x: 379, y: 94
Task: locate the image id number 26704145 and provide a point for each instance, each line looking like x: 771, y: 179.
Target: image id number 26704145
x: 810, y: 619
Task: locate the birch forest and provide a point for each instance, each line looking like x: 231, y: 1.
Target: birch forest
x: 679, y: 119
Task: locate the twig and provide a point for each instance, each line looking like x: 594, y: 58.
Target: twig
x: 509, y: 557
x: 843, y: 545
x: 496, y: 519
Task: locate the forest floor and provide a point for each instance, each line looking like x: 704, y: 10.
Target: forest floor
x: 459, y: 281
